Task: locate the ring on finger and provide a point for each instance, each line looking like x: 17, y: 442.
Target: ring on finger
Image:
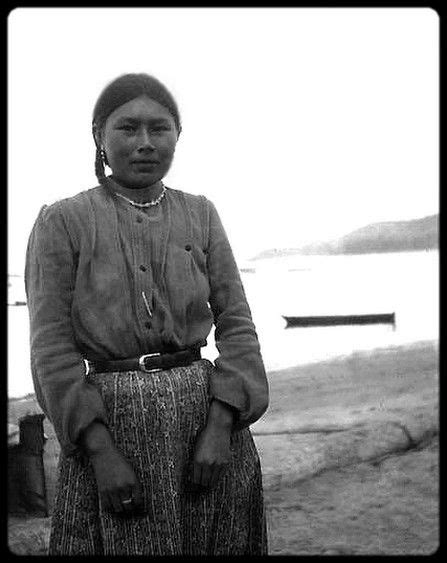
x: 127, y: 501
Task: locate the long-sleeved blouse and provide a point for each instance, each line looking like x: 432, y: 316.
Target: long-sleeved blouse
x: 105, y: 280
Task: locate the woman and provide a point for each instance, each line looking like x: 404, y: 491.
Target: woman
x: 124, y: 282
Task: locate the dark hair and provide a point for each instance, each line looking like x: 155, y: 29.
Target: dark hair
x: 121, y: 90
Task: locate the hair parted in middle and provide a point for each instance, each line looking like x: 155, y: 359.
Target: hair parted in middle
x: 120, y: 91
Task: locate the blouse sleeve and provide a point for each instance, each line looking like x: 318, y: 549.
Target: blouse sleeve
x: 239, y: 380
x: 57, y: 366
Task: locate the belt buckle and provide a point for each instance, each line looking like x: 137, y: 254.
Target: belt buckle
x: 143, y: 367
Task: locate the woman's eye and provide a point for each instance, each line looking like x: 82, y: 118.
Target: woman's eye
x: 154, y: 130
x: 161, y: 128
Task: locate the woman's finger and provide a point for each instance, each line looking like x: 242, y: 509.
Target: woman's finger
x: 127, y: 501
x: 115, y: 500
x: 196, y: 474
x: 104, y: 503
x: 206, y: 476
x: 108, y: 505
x: 215, y: 476
x: 137, y: 496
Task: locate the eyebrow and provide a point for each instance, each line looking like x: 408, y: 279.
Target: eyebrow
x: 135, y: 120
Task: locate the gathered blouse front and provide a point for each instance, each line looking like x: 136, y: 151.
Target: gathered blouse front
x: 105, y: 280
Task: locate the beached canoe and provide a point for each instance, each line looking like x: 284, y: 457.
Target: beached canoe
x: 333, y: 320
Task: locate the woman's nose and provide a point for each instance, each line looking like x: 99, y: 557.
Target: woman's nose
x: 144, y: 141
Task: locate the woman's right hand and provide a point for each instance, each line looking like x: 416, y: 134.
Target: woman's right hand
x: 114, y: 474
x: 117, y: 482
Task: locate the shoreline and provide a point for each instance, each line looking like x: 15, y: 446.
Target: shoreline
x: 363, y: 353
x: 418, y: 344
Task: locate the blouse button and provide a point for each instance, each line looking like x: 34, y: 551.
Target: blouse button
x: 147, y: 324
x: 142, y: 268
x: 139, y: 219
x: 188, y: 247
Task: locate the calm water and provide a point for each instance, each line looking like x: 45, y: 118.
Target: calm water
x: 404, y: 283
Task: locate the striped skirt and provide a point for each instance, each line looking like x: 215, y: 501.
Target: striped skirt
x: 155, y: 420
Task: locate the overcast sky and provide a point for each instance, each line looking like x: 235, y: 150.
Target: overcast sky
x: 299, y: 124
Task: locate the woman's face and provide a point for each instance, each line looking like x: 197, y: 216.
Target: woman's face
x: 139, y: 140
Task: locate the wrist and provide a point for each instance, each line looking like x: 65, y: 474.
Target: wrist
x: 96, y: 440
x: 220, y: 415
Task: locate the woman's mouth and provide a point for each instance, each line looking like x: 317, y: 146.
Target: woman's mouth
x: 145, y: 162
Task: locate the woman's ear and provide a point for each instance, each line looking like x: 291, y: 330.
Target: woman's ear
x: 97, y: 135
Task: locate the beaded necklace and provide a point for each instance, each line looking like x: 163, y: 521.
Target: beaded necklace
x: 146, y: 204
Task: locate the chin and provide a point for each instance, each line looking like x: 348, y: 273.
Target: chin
x: 143, y: 180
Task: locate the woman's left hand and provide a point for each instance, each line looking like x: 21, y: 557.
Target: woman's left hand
x: 212, y: 454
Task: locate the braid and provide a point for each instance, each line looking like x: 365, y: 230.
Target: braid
x: 99, y: 163
x: 99, y: 167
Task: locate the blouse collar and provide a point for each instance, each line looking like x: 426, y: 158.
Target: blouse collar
x: 139, y: 195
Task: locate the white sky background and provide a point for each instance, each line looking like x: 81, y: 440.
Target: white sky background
x: 299, y: 124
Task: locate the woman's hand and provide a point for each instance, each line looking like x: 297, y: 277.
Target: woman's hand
x: 114, y: 474
x: 211, y: 456
x: 212, y: 453
x: 117, y: 482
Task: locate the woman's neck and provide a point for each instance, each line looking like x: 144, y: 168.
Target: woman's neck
x: 139, y: 195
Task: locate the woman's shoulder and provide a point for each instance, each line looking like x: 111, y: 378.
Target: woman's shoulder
x: 195, y: 201
x: 76, y: 201
x: 74, y: 209
x: 175, y: 192
x: 82, y: 197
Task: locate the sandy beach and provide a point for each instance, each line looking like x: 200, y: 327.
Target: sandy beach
x: 349, y: 451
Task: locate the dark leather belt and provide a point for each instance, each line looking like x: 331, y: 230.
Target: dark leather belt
x: 148, y: 362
